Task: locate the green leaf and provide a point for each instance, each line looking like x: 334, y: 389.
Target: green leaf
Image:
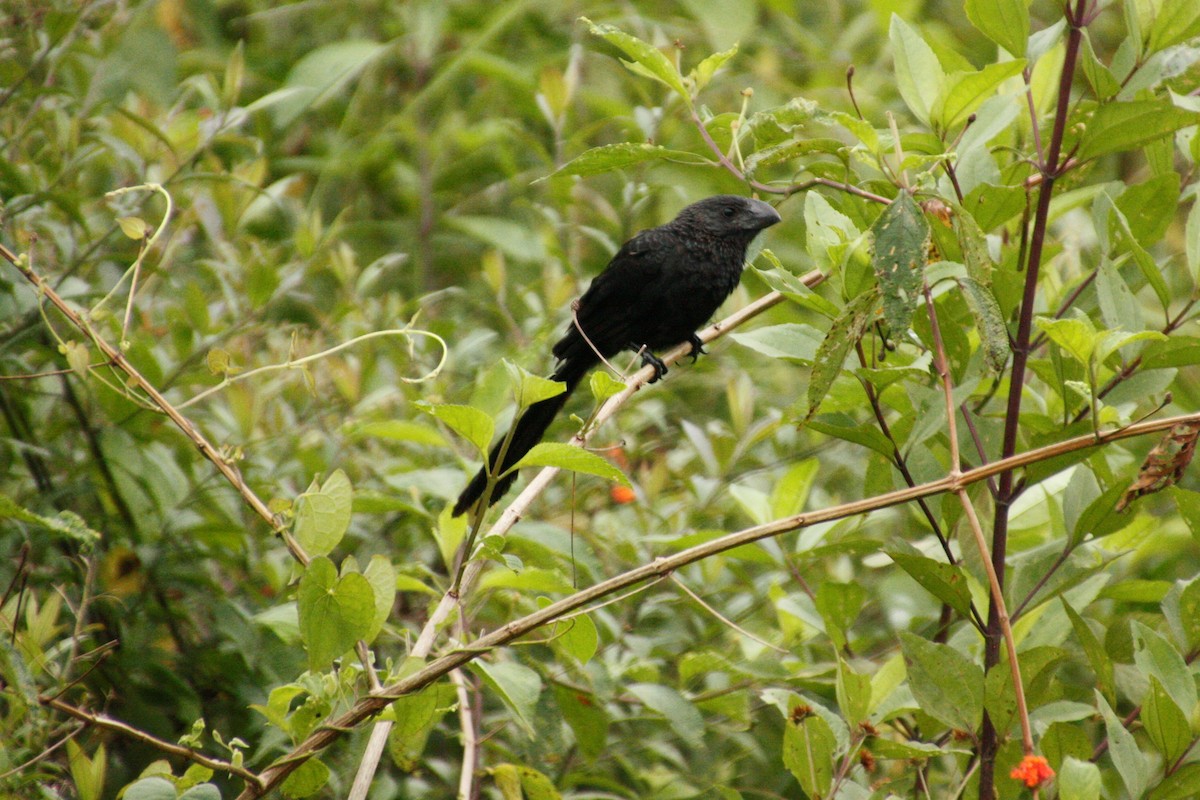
x: 306, y: 780
x: 1165, y: 723
x: 653, y: 62
x: 1146, y: 263
x: 604, y: 385
x: 1076, y: 335
x: 991, y: 206
x: 1188, y: 606
x: 919, y: 74
x: 535, y: 785
x: 86, y: 773
x: 898, y: 258
x: 1118, y: 307
x: 1078, y: 780
x: 1183, y: 784
x: 154, y: 788
x: 323, y: 515
x: 1103, y: 82
x: 516, y: 685
x: 1120, y: 127
x: 853, y: 693
x: 400, y: 430
x: 1156, y: 657
x: 786, y: 151
x: 65, y: 523
x: 946, y: 684
x: 382, y: 576
x: 1110, y: 342
x: 334, y: 612
x: 794, y: 289
x: 569, y: 457
x: 708, y: 67
x: 205, y: 791
x: 892, y: 749
x: 808, y: 748
x: 586, y: 717
x: 468, y: 422
x: 133, y: 227
x: 1130, y: 762
x: 682, y: 716
x: 1005, y: 22
x: 1176, y: 22
x: 529, y: 388
x: 518, y: 242
x: 578, y: 636
x: 989, y: 320
x: 624, y: 154
x: 964, y: 92
x: 946, y: 582
x: 321, y: 74
x: 415, y: 716
x: 790, y: 492
x: 790, y: 340
x: 827, y: 230
x: 1192, y: 241
x: 843, y: 334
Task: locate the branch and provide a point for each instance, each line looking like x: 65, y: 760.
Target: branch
x: 368, y: 706
x: 108, y: 723
x: 118, y: 360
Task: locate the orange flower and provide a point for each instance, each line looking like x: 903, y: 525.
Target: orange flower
x: 622, y: 494
x: 1033, y: 770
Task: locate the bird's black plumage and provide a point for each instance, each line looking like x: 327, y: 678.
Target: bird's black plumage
x: 661, y: 286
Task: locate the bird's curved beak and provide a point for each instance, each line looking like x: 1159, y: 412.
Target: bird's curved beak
x: 764, y: 214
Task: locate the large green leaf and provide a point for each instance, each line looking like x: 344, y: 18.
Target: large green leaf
x: 1176, y: 22
x: 569, y: 457
x: 334, y: 612
x: 517, y: 686
x: 624, y: 154
x: 919, y: 74
x: 948, y: 686
x: 946, y: 582
x: 682, y: 716
x: 898, y: 258
x: 323, y: 515
x: 1005, y: 22
x: 467, y: 421
x: 808, y: 753
x: 1120, y: 127
x: 647, y: 59
x: 964, y: 92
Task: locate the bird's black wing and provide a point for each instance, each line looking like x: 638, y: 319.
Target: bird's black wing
x: 616, y: 307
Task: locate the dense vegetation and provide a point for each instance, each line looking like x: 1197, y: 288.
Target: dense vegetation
x: 275, y: 276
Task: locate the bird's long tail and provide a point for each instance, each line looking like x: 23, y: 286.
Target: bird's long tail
x: 528, y: 432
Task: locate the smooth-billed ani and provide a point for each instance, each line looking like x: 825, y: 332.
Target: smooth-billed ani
x: 661, y: 286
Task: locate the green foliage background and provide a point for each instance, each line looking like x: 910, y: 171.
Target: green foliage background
x: 342, y: 168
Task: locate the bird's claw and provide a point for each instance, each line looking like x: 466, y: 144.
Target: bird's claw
x: 660, y: 368
x: 697, y: 347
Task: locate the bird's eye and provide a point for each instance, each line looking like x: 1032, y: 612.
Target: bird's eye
x: 728, y: 211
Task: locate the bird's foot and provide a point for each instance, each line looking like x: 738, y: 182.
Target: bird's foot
x: 660, y: 368
x: 697, y: 347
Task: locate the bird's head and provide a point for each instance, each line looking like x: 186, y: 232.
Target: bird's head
x: 729, y: 214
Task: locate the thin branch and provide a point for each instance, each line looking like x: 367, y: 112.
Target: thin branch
x: 368, y: 706
x: 467, y: 717
x: 997, y: 593
x: 118, y: 360
x: 109, y: 723
x: 786, y: 191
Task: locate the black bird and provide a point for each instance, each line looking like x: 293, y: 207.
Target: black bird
x: 661, y: 286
